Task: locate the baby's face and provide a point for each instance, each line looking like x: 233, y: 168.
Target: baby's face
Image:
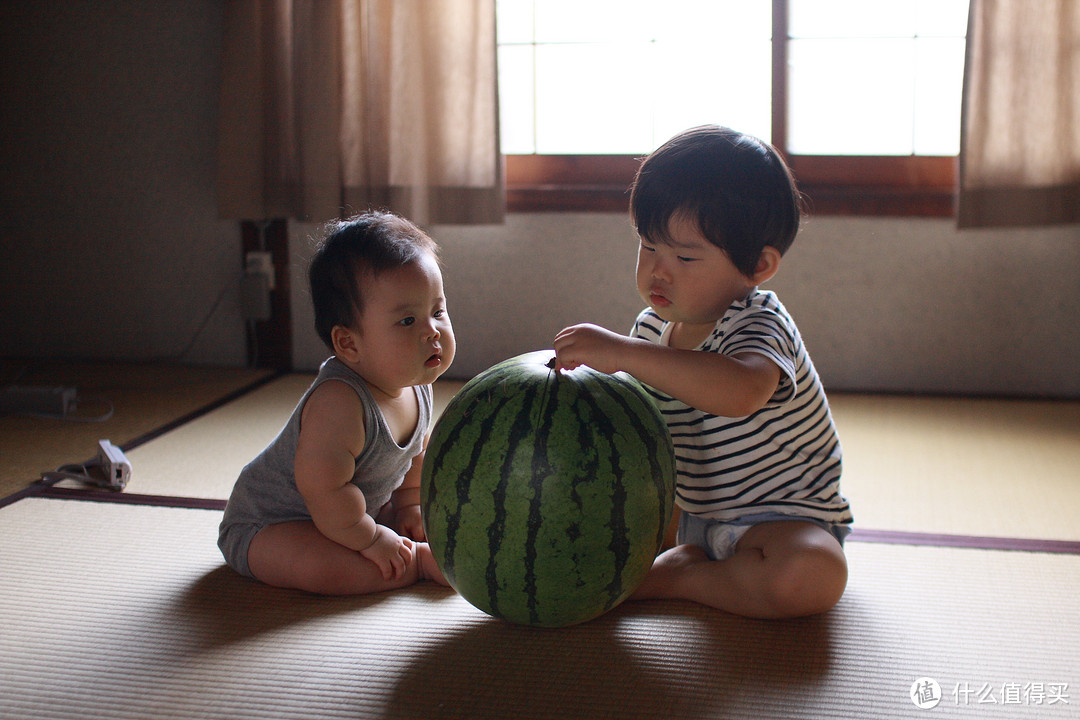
x: 405, y: 333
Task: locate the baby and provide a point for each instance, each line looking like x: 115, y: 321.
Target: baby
x: 332, y: 505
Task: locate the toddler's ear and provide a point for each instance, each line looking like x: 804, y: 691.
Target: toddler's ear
x: 767, y: 265
x: 346, y: 343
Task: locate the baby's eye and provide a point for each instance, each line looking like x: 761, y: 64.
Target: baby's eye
x: 407, y: 321
x: 439, y: 313
x: 687, y: 259
x: 647, y: 248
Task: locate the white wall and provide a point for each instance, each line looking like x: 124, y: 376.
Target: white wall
x: 886, y: 304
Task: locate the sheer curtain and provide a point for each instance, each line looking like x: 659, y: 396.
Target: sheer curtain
x: 330, y: 107
x: 1020, y: 139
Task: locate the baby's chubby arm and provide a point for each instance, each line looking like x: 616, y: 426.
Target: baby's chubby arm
x: 718, y: 384
x: 331, y: 436
x: 406, y: 500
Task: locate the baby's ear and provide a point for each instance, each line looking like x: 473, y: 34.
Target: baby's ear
x: 767, y: 265
x: 346, y: 343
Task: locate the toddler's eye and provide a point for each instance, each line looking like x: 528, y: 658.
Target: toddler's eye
x: 439, y: 313
x: 407, y: 321
x: 688, y: 259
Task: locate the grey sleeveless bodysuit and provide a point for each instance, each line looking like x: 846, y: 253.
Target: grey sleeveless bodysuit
x: 265, y: 493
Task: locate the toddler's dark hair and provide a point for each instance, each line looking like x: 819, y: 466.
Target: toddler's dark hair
x: 364, y: 244
x: 737, y: 189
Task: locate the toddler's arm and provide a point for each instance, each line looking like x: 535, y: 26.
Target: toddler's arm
x: 331, y: 436
x: 733, y: 386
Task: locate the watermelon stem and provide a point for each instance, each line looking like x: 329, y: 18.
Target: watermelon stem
x: 550, y: 364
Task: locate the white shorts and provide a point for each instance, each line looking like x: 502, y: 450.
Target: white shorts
x: 718, y: 538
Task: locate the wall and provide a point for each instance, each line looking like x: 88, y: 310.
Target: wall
x: 884, y: 304
x: 111, y: 246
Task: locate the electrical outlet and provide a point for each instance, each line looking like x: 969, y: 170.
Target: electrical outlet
x: 260, y: 262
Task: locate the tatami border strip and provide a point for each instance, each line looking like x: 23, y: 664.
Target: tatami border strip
x: 976, y: 542
x: 887, y: 537
x: 123, y: 498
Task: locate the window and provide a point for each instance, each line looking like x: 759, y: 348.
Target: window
x: 863, y: 97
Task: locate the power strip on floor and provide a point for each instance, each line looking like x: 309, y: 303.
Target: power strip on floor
x: 33, y: 400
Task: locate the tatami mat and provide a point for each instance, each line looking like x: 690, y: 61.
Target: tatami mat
x: 965, y: 466
x: 117, y: 611
x: 142, y: 397
x: 959, y: 466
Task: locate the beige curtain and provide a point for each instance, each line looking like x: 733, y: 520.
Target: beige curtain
x: 331, y: 107
x: 1020, y: 139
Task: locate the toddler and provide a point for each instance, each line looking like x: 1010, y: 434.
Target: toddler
x: 761, y: 521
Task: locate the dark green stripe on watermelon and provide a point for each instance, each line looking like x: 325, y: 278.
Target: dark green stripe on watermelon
x: 654, y: 433
x: 620, y: 543
x: 545, y: 494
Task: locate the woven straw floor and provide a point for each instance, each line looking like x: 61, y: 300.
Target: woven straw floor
x: 124, y: 610
x: 143, y: 399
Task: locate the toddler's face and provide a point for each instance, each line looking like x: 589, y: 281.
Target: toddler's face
x: 405, y: 333
x: 691, y: 280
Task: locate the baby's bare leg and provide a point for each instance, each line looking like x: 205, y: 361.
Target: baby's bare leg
x: 429, y: 569
x: 297, y: 555
x: 779, y: 569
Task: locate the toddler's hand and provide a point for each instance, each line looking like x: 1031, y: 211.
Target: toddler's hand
x: 408, y: 522
x: 589, y: 345
x: 390, y: 552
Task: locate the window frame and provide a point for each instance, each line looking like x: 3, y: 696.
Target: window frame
x: 910, y: 185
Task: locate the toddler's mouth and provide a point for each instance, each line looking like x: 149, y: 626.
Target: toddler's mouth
x: 434, y: 360
x: 658, y: 300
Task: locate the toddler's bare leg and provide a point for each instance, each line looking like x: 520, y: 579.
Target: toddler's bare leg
x: 779, y: 569
x: 297, y: 555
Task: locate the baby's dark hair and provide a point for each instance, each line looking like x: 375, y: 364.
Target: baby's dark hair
x: 369, y: 243
x: 737, y: 189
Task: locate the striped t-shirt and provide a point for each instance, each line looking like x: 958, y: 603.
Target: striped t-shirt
x: 786, y: 457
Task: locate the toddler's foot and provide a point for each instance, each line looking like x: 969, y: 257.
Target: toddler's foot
x: 429, y: 569
x: 661, y: 580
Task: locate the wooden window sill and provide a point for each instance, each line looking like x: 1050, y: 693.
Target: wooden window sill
x: 834, y: 185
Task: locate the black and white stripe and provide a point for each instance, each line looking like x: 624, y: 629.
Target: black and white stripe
x: 785, y: 458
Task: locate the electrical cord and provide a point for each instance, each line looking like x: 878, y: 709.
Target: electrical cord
x: 177, y: 356
x: 83, y: 472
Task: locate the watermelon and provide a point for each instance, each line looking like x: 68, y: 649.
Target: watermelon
x: 546, y: 493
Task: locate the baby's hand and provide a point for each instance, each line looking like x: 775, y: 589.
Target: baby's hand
x: 408, y: 522
x: 390, y: 552
x: 589, y: 345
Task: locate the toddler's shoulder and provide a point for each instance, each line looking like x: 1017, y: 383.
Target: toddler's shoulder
x: 648, y: 325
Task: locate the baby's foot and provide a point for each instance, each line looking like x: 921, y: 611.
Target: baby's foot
x: 429, y: 569
x: 660, y: 581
